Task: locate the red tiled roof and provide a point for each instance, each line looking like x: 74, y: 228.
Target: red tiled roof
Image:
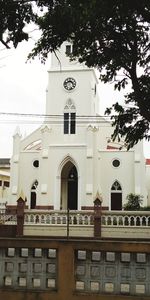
x: 147, y: 161
x: 111, y: 147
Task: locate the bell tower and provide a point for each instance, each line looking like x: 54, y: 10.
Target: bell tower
x: 60, y: 59
x: 71, y: 81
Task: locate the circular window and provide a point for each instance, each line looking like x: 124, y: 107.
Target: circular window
x: 36, y: 163
x: 116, y: 163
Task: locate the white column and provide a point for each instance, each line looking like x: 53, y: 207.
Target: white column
x: 89, y: 166
x: 140, y: 172
x: 57, y: 193
x: 43, y: 178
x: 14, y: 176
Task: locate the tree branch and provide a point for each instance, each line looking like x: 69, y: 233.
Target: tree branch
x: 4, y: 43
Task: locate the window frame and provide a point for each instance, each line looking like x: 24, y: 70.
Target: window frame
x: 69, y: 118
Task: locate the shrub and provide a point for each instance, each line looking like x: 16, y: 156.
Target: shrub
x: 133, y: 202
x: 145, y: 208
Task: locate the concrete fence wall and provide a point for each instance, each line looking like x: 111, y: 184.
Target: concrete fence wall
x: 45, y: 269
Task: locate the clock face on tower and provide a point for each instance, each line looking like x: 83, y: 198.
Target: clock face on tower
x: 69, y: 84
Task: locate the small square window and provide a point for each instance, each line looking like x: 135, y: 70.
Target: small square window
x: 141, y: 257
x: 51, y: 268
x: 37, y: 268
x: 80, y: 270
x: 140, y: 289
x: 37, y: 252
x: 110, y: 256
x: 125, y: 288
x: 23, y: 267
x: 24, y: 252
x: 109, y: 287
x: 140, y: 273
x: 95, y: 271
x: 96, y: 256
x: 52, y: 253
x: 11, y: 252
x: 8, y: 281
x: 125, y: 257
x: 22, y: 281
x: 94, y: 286
x: 110, y: 271
x: 9, y: 267
x: 51, y: 283
x: 126, y: 272
x: 81, y: 255
x: 36, y: 282
x: 80, y: 285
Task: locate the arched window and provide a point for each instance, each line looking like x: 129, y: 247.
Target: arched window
x: 116, y: 186
x: 33, y: 194
x: 116, y: 196
x: 69, y: 117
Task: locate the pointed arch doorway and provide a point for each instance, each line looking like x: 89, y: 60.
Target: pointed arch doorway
x: 69, y: 187
x: 116, y: 196
x: 33, y: 195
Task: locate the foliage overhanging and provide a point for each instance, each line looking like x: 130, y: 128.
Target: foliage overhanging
x: 113, y: 36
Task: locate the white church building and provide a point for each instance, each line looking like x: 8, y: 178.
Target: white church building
x: 70, y: 159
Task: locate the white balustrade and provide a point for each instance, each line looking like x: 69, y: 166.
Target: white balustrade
x: 8, y: 219
x: 58, y: 217
x: 85, y: 218
x: 126, y: 218
x: 81, y: 218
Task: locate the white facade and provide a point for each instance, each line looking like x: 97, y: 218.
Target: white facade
x: 69, y: 159
x: 4, y: 181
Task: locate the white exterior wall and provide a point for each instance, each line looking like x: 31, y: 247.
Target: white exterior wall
x: 83, y: 95
x: 140, y: 173
x: 124, y: 174
x: 86, y: 149
x: 28, y: 173
x: 148, y: 184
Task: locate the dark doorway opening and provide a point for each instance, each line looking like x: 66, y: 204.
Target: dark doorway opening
x: 69, y: 187
x: 33, y: 200
x: 72, y: 189
x: 116, y: 196
x: 33, y: 195
x: 116, y: 201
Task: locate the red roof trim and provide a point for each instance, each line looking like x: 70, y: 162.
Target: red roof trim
x: 147, y: 161
x: 111, y: 147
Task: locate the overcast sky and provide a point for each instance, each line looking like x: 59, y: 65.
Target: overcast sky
x: 23, y: 90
